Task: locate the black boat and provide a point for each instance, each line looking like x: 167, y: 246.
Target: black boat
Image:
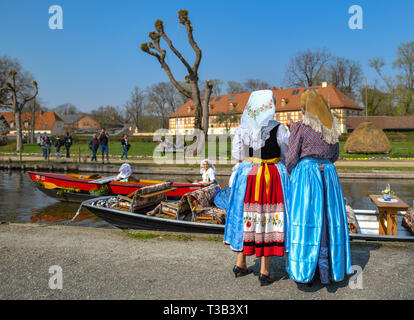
x: 139, y: 220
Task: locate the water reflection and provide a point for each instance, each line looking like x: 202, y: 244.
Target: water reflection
x: 20, y: 201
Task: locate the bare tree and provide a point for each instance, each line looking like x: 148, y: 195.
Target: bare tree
x: 305, y: 68
x: 66, y: 109
x: 23, y: 78
x: 108, y: 116
x: 153, y: 48
x: 235, y: 87
x: 401, y: 87
x: 217, y: 87
x: 162, y: 101
x: 4, y: 126
x: 346, y: 75
x: 227, y: 119
x: 134, y: 108
x: 17, y: 102
x: 255, y: 84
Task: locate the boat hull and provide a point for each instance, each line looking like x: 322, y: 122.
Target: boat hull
x: 130, y: 220
x: 115, y: 187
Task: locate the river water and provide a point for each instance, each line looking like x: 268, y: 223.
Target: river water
x: 21, y: 201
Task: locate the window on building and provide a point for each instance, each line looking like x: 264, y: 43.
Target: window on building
x: 294, y: 92
x: 231, y: 97
x: 218, y: 98
x: 11, y: 124
x: 288, y: 116
x: 277, y: 117
x: 26, y: 124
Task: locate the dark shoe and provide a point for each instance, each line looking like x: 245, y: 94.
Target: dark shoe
x: 239, y: 272
x: 265, y: 280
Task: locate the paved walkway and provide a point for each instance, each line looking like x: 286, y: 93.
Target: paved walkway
x: 108, y: 264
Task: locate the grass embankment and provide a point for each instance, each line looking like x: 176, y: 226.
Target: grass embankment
x: 400, y: 149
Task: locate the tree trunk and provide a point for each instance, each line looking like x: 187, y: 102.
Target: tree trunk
x: 206, y: 113
x: 33, y: 120
x: 19, y: 138
x: 198, y: 112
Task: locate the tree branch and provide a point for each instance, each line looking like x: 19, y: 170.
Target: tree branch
x: 183, y: 16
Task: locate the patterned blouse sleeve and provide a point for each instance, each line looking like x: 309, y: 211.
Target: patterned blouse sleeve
x: 295, y: 145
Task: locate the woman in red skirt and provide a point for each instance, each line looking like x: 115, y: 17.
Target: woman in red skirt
x: 256, y: 215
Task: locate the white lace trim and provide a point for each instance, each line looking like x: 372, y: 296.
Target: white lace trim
x: 328, y: 135
x: 256, y: 138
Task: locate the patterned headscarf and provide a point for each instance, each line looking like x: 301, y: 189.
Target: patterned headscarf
x: 259, y: 111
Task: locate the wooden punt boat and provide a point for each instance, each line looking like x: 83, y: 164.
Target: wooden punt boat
x: 139, y: 220
x: 366, y: 221
x: 53, y: 184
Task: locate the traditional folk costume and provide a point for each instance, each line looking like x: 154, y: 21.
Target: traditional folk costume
x: 257, y: 208
x: 208, y: 175
x: 318, y: 227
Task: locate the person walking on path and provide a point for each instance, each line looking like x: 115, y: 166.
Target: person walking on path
x: 258, y: 205
x: 67, y: 141
x: 58, y: 144
x: 125, y: 147
x: 103, y: 145
x: 45, y: 145
x: 319, y: 241
x: 93, y: 145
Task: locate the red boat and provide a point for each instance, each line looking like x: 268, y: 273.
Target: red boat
x: 84, y: 184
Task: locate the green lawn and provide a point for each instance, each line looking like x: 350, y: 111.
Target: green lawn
x: 137, y: 148
x: 400, y: 149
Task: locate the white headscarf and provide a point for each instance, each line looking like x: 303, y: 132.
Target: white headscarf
x: 210, y: 165
x: 257, y: 119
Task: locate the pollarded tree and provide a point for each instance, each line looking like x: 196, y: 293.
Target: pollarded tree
x: 153, y: 48
x: 17, y: 103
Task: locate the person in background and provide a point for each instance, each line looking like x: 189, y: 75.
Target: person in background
x: 58, y: 144
x: 45, y: 145
x: 103, y: 145
x: 93, y: 145
x: 318, y: 233
x: 67, y: 141
x: 208, y: 173
x: 125, y: 147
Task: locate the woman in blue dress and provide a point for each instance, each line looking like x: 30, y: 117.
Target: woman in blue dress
x: 318, y: 229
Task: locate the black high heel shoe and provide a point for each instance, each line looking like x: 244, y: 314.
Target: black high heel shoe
x: 239, y: 272
x: 265, y: 280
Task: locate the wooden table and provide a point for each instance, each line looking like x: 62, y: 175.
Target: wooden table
x: 388, y: 218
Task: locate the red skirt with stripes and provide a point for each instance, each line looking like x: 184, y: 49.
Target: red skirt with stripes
x: 263, y: 219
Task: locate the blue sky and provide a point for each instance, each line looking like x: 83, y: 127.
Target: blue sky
x: 95, y: 60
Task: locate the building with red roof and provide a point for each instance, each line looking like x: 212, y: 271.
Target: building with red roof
x: 45, y: 123
x: 287, y: 107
